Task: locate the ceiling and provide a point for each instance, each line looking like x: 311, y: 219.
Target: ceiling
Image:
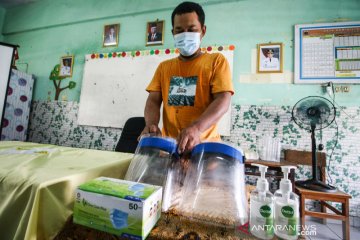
x: 13, y: 3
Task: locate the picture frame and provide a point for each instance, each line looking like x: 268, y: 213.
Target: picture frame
x: 270, y: 58
x: 111, y: 35
x: 66, y: 66
x: 155, y: 33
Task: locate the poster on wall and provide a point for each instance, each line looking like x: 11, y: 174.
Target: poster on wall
x: 327, y: 52
x: 111, y: 35
x: 154, y: 33
x: 66, y: 66
x: 269, y: 58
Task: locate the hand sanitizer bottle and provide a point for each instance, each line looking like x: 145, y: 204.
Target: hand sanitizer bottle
x: 262, y: 207
x: 286, y: 208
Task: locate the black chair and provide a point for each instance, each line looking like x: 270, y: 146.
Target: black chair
x: 130, y: 133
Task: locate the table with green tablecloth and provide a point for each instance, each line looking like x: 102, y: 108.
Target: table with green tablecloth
x: 37, y: 183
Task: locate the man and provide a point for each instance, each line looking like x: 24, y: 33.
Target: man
x: 270, y: 62
x: 66, y: 67
x: 153, y: 35
x: 195, y: 88
x: 110, y: 36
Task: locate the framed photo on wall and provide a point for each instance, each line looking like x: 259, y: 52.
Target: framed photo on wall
x: 270, y: 58
x: 154, y: 33
x: 111, y: 35
x: 66, y: 66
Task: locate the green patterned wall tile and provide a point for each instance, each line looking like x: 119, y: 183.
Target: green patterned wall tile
x: 56, y: 123
x: 276, y: 120
x: 353, y: 129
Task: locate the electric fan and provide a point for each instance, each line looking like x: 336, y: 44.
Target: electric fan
x: 314, y: 113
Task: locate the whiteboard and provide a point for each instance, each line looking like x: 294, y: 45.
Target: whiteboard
x: 327, y: 52
x: 6, y: 58
x: 113, y: 87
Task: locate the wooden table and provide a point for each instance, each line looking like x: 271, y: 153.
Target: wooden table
x: 324, y: 198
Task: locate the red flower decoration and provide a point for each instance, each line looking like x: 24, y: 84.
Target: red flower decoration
x: 167, y: 51
x: 231, y: 47
x: 137, y: 53
x: 114, y: 54
x: 157, y: 51
x: 209, y: 49
x: 123, y: 54
x: 93, y: 56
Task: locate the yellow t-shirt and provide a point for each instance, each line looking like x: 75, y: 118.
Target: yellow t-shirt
x: 187, y: 89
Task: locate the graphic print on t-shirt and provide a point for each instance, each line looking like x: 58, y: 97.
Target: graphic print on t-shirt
x: 182, y: 91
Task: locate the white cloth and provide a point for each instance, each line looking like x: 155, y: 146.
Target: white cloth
x: 270, y: 63
x: 65, y: 71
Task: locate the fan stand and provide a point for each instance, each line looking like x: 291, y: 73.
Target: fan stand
x: 314, y: 183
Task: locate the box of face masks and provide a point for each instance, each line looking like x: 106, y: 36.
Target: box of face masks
x: 120, y: 207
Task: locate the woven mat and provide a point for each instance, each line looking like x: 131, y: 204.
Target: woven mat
x: 168, y: 227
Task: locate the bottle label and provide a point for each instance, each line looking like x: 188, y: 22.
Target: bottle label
x: 265, y: 211
x: 261, y: 218
x: 287, y: 218
x: 287, y: 211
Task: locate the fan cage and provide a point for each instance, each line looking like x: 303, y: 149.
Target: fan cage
x: 313, y: 110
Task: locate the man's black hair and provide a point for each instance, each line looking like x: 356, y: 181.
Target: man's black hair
x: 189, y: 7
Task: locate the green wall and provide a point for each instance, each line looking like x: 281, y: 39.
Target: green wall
x: 47, y: 30
x: 2, y: 17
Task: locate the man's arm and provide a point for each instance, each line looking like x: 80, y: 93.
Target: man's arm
x: 190, y: 136
x: 152, y: 113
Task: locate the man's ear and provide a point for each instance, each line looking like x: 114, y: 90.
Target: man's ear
x: 203, y: 31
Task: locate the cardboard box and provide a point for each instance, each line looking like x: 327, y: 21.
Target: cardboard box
x: 120, y: 207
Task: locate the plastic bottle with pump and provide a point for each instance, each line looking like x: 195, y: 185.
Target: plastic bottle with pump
x: 286, y: 208
x: 262, y: 207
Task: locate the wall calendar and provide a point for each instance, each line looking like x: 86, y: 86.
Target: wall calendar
x: 327, y: 52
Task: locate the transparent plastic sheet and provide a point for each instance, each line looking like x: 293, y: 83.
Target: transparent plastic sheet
x: 214, y: 189
x: 152, y: 163
x: 150, y: 167
x: 175, y: 182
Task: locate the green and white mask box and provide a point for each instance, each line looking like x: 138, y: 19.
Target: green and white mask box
x: 120, y: 207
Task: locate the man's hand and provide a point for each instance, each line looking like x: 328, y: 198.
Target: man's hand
x: 152, y: 114
x: 188, y: 138
x: 152, y: 130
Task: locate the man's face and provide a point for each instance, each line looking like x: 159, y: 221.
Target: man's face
x: 269, y: 54
x: 188, y: 22
x: 153, y: 29
x: 112, y: 31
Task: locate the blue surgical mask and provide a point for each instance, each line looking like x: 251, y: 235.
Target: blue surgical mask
x: 187, y: 42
